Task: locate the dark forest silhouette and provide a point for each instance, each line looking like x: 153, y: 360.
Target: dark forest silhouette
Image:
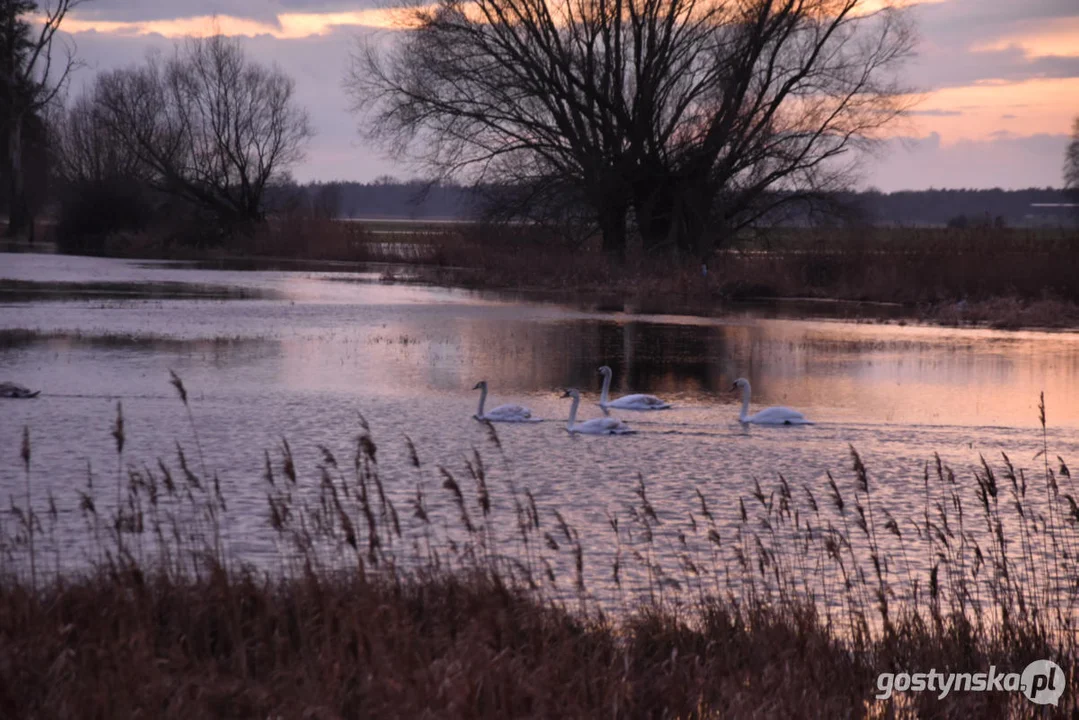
x: 1034, y: 207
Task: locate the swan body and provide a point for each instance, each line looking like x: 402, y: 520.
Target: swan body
x: 768, y: 416
x: 502, y: 413
x: 638, y: 401
x: 14, y: 390
x: 595, y: 426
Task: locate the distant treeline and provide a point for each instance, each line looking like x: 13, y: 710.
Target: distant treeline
x: 387, y: 199
x: 1014, y: 208
x: 393, y: 200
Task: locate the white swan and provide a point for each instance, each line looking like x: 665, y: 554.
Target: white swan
x: 502, y: 413
x: 596, y: 426
x: 627, y: 402
x: 768, y: 416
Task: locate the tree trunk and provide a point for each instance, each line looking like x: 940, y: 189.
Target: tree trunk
x: 612, y: 226
x: 651, y: 207
x: 17, y: 210
x: 673, y: 217
x: 694, y: 217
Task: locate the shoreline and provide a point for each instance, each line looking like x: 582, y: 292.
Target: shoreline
x: 671, y: 294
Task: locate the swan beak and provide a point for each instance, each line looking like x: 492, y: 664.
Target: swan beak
x: 477, y: 386
x: 566, y: 394
x: 734, y: 386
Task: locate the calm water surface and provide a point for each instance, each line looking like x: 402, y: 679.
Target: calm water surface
x: 300, y: 354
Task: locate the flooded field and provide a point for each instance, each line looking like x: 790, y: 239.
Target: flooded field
x: 300, y: 355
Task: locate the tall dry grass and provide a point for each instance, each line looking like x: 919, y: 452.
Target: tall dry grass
x: 458, y: 595
x: 1002, y: 277
x: 982, y: 276
x: 914, y: 265
x: 886, y: 264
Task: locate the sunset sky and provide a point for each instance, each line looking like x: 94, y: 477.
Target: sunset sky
x: 999, y: 80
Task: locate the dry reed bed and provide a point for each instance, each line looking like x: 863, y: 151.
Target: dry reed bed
x: 998, y: 277
x: 467, y: 600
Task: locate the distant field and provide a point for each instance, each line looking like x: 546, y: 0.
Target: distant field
x: 407, y: 226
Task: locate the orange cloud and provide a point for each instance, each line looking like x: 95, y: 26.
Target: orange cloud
x: 1059, y: 38
x: 289, y: 26
x: 875, y: 5
x: 1031, y: 107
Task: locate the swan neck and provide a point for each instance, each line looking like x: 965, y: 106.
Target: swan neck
x: 603, y: 397
x: 573, y: 412
x: 745, y: 402
x: 483, y: 399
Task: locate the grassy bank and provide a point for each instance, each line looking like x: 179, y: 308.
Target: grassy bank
x: 981, y: 277
x: 415, y: 591
x: 984, y: 276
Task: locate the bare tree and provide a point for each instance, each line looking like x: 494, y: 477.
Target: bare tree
x: 208, y: 125
x: 694, y: 114
x: 31, y: 77
x: 87, y: 150
x: 1071, y: 163
x: 99, y: 183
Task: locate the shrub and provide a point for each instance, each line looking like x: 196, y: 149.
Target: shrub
x: 91, y: 211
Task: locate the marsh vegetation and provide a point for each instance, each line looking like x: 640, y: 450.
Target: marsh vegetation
x: 460, y: 595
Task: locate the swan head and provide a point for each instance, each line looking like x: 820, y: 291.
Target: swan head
x: 571, y: 392
x: 604, y: 370
x: 481, y: 385
x: 740, y: 384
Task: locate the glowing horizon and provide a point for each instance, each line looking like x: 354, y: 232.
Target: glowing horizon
x: 983, y: 110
